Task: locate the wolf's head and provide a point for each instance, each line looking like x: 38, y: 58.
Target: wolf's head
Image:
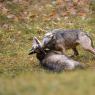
x: 48, y: 40
x: 36, y: 46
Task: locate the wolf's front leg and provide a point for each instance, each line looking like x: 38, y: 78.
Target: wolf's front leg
x: 75, y: 52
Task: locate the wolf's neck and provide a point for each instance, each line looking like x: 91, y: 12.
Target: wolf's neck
x: 40, y: 56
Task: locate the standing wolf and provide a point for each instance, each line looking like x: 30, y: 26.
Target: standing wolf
x: 52, y: 60
x: 61, y: 40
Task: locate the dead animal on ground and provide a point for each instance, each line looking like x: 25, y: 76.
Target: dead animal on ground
x: 52, y: 60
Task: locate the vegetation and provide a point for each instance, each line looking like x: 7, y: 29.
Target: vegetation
x: 20, y: 21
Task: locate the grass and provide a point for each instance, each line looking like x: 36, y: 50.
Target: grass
x: 20, y: 74
x: 41, y: 82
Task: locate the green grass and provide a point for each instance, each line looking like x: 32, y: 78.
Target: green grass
x: 41, y: 82
x: 20, y: 74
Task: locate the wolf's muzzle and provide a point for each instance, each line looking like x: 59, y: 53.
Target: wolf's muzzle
x: 31, y: 52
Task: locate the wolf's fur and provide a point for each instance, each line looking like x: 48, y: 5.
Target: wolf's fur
x: 52, y: 60
x: 61, y: 40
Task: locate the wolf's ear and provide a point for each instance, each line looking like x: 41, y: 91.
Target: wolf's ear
x: 34, y: 41
x: 53, y: 37
x: 37, y: 41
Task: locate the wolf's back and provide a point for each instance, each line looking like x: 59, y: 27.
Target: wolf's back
x: 67, y: 38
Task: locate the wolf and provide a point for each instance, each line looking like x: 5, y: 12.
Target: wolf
x: 62, y: 40
x: 52, y: 60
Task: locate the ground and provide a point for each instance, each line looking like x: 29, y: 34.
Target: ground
x: 20, y: 74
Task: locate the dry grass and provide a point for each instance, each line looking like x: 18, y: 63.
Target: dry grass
x: 20, y: 74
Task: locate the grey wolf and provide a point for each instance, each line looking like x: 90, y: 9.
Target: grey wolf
x: 62, y: 40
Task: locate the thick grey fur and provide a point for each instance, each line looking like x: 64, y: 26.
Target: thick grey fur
x: 62, y: 40
x: 53, y: 60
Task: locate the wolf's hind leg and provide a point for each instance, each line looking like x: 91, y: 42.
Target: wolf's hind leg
x: 86, y: 43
